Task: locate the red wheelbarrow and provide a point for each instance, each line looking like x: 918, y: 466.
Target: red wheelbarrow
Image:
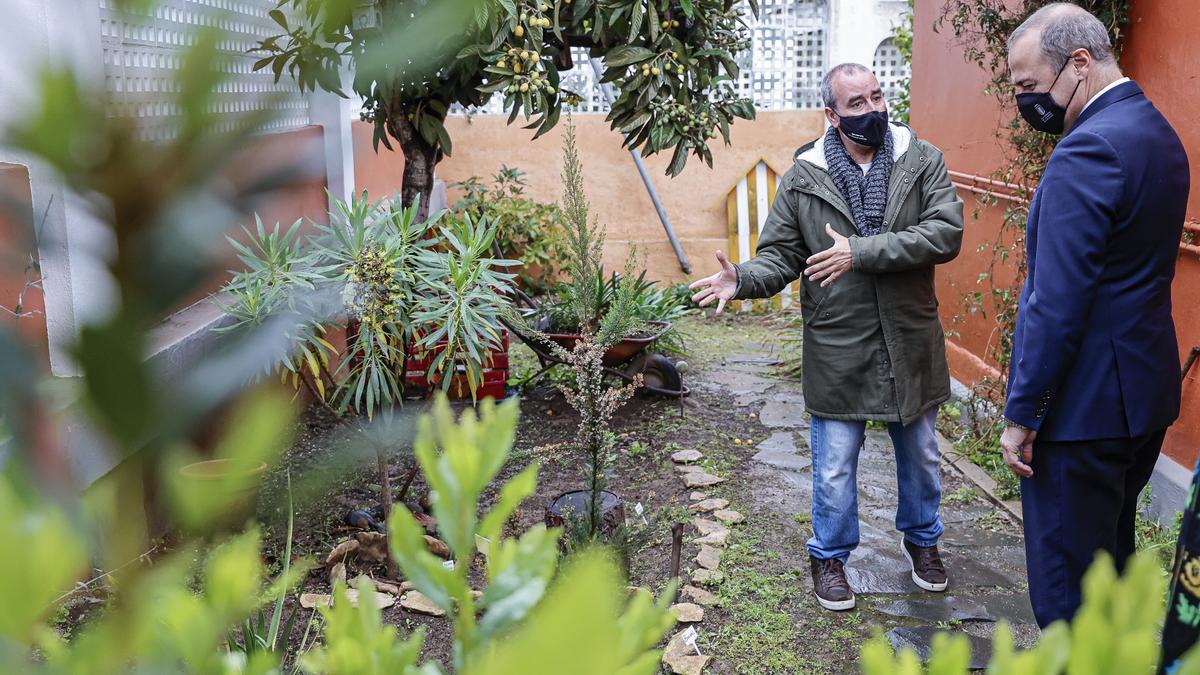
x: 627, y: 359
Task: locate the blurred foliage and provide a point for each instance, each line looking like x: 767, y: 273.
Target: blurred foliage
x: 511, y: 627
x: 396, y: 284
x: 174, y: 608
x: 1115, y: 632
x: 526, y: 229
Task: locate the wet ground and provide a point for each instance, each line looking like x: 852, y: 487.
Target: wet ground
x: 982, y: 547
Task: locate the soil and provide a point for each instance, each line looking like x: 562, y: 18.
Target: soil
x: 329, y: 479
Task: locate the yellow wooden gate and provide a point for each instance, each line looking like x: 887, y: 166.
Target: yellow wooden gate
x: 747, y: 206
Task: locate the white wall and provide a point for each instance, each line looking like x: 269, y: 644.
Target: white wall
x: 856, y: 27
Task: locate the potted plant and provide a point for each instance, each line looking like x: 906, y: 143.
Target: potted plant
x: 395, y: 284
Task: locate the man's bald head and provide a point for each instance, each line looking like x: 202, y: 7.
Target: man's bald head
x: 1062, y: 28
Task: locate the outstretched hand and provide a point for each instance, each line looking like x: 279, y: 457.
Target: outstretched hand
x: 831, y: 263
x: 720, y: 287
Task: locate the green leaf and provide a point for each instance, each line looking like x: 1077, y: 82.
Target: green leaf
x: 525, y: 569
x: 688, y: 10
x: 626, y: 55
x: 279, y: 18
x: 118, y: 385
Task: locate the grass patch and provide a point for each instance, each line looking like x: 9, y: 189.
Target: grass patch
x: 760, y: 635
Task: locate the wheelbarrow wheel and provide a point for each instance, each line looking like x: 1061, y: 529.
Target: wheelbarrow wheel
x: 660, y: 373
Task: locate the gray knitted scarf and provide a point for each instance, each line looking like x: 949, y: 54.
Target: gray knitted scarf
x: 866, y: 195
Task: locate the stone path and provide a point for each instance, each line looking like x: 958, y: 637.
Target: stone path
x: 982, y: 546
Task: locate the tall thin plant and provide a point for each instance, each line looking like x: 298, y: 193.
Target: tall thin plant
x: 601, y: 325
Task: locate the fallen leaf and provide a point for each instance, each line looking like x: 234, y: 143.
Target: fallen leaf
x: 342, y: 551
x: 372, y: 546
x: 437, y: 547
x: 337, y: 573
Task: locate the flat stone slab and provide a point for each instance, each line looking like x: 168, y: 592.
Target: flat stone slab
x: 875, y: 573
x: 920, y: 640
x: 718, y: 539
x: 780, y: 452
x: 777, y: 414
x: 697, y: 497
x: 738, y: 382
x: 708, y: 505
x: 962, y: 534
x: 686, y: 456
x: 699, y: 595
x: 701, y: 479
x: 709, y: 558
x: 687, y: 612
x: 681, y: 659
x: 706, y: 527
x: 729, y: 517
x: 705, y: 577
x: 1013, y: 607
x: 415, y: 601
x: 938, y: 610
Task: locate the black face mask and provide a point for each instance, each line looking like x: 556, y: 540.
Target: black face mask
x: 1042, y: 111
x: 867, y: 129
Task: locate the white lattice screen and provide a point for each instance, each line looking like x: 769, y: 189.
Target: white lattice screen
x: 142, y: 53
x: 890, y: 68
x: 782, y: 70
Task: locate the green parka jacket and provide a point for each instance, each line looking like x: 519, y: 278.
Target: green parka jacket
x: 873, y: 344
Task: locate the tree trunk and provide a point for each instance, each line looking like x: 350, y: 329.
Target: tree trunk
x: 420, y: 159
x: 385, y: 482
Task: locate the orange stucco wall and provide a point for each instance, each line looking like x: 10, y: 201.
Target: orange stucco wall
x: 694, y: 201
x: 17, y: 244
x: 950, y: 109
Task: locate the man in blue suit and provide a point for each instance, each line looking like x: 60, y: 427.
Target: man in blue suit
x: 1094, y: 378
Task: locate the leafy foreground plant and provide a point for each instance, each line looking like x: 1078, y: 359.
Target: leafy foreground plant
x: 1116, y: 632
x: 579, y: 627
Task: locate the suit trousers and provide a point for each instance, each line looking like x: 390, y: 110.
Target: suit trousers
x: 1082, y: 499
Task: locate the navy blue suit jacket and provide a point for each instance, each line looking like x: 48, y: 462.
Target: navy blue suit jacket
x: 1094, y: 351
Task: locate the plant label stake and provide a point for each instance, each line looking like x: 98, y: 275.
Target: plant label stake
x: 641, y: 511
x: 448, y: 565
x: 690, y: 637
x: 483, y: 545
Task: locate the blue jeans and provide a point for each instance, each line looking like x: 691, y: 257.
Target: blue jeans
x: 835, y: 448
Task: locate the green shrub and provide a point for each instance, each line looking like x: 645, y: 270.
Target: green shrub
x: 526, y: 229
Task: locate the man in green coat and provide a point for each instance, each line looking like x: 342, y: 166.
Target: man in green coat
x: 863, y: 216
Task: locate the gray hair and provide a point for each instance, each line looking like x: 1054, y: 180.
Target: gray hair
x: 827, y: 81
x: 1065, y: 28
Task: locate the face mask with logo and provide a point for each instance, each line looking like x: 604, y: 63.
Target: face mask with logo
x: 1042, y: 111
x: 867, y: 129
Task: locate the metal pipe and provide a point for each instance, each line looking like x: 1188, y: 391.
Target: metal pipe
x: 975, y: 178
x: 606, y: 90
x: 1191, y: 361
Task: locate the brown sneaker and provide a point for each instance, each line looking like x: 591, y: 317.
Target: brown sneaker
x: 927, y: 569
x: 830, y: 585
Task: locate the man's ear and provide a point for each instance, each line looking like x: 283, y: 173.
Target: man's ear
x: 831, y: 117
x: 1081, y: 60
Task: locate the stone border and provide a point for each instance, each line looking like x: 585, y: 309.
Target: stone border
x: 974, y: 474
